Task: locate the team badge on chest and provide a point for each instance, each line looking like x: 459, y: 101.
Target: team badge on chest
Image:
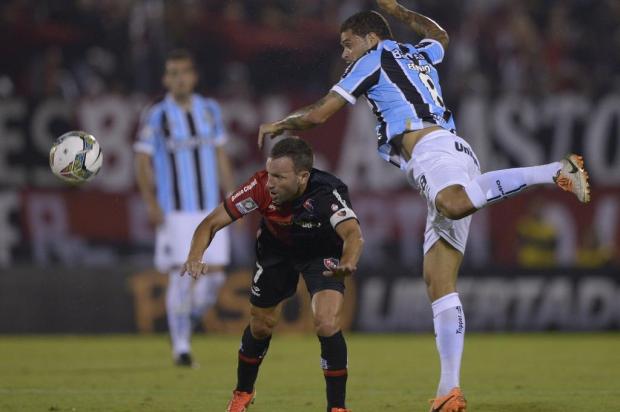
x: 331, y: 263
x: 309, y: 205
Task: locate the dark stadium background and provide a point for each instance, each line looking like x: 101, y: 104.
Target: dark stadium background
x: 528, y: 81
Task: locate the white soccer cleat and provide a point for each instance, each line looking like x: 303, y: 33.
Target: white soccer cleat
x: 573, y: 178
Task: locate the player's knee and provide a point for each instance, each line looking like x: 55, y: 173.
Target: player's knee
x: 261, y: 328
x: 451, y: 202
x: 438, y: 286
x: 178, y: 307
x: 326, y: 325
x: 262, y: 324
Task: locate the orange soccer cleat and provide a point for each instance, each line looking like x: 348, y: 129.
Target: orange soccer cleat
x: 573, y: 178
x: 240, y: 401
x: 340, y: 410
x: 454, y: 401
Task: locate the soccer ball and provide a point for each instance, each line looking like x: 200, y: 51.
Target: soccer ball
x: 76, y: 157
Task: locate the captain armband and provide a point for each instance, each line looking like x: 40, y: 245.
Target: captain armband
x: 342, y: 215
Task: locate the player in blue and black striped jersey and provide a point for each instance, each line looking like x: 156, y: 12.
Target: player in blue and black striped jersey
x: 180, y: 168
x: 417, y: 133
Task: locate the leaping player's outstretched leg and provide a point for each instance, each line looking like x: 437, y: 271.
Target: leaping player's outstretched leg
x: 445, y: 242
x: 569, y: 174
x: 456, y: 202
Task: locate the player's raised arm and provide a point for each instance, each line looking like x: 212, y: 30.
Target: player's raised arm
x: 351, y: 234
x: 419, y: 23
x: 203, y: 235
x: 305, y: 118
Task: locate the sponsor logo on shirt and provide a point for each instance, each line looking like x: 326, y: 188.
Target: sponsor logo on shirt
x: 421, y: 68
x: 308, y: 225
x: 245, y: 189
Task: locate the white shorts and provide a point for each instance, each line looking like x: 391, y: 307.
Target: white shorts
x: 441, y: 159
x: 174, y: 237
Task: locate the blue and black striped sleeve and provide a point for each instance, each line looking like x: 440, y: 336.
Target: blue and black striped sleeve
x: 149, y: 130
x: 431, y: 49
x: 218, y: 122
x: 359, y: 77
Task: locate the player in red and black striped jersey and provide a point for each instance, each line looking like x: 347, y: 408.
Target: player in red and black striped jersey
x: 308, y: 227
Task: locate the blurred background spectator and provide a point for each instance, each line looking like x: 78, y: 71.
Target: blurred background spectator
x: 78, y: 47
x: 538, y: 238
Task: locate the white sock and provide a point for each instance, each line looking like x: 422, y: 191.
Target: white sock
x: 499, y: 184
x: 178, y: 306
x: 449, y: 322
x: 205, y: 292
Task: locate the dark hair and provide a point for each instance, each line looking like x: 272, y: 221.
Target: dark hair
x: 298, y: 150
x: 180, y: 54
x: 366, y: 22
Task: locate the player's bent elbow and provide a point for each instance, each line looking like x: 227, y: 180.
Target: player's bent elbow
x: 444, y: 40
x: 360, y: 240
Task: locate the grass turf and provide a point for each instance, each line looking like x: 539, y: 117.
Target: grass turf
x: 501, y: 372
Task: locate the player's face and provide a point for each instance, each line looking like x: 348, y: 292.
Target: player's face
x: 353, y: 46
x: 180, y: 77
x: 283, y: 183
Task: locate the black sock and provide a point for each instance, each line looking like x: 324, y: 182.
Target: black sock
x: 334, y: 364
x: 251, y: 355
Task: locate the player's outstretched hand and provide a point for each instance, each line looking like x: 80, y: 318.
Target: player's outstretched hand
x: 341, y: 271
x: 270, y: 130
x: 194, y: 268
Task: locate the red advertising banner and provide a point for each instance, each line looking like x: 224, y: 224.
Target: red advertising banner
x: 45, y: 220
x: 67, y: 223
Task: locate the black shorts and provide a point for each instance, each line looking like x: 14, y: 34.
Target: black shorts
x: 276, y: 275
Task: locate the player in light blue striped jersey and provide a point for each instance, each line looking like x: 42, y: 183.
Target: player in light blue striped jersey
x: 416, y: 132
x: 180, y: 168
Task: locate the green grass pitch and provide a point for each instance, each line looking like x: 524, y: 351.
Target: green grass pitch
x: 501, y: 372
